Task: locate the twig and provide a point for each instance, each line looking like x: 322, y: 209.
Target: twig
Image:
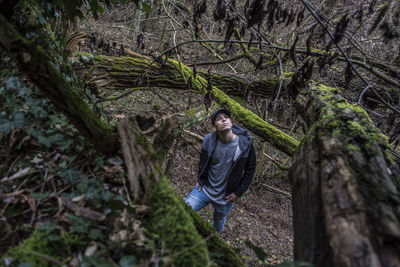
x: 393, y: 153
x: 208, y: 47
x: 198, y: 137
x: 280, y: 82
x: 345, y: 56
x: 166, y: 100
x: 276, y: 162
x: 127, y: 92
x: 276, y: 190
x: 20, y: 174
x: 246, y: 51
x: 177, y: 53
x: 362, y: 94
x: 234, y: 58
x: 43, y: 256
x: 380, y: 75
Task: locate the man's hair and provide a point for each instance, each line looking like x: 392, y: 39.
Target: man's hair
x: 221, y: 110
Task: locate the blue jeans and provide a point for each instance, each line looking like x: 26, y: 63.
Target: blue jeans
x: 198, y: 200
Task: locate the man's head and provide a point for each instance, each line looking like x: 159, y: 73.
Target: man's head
x: 220, y: 119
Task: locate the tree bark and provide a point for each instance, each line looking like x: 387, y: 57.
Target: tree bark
x: 345, y: 203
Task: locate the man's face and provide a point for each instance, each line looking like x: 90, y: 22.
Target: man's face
x: 222, y: 122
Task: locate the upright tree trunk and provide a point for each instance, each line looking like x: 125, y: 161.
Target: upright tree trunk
x: 346, y: 206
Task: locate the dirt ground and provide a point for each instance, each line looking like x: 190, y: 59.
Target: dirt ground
x: 261, y: 217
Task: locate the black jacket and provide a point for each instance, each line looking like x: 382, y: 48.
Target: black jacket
x: 244, y: 163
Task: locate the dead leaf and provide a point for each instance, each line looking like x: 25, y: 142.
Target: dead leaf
x: 37, y: 159
x: 120, y: 116
x: 141, y: 210
x: 13, y: 194
x: 91, y: 214
x: 125, y: 218
x: 91, y: 249
x: 21, y: 173
x: 31, y: 202
x: 84, y: 212
x: 78, y: 198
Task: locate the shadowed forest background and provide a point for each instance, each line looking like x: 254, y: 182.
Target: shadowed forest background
x: 104, y: 105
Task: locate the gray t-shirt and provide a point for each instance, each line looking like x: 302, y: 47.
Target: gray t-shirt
x: 221, y: 162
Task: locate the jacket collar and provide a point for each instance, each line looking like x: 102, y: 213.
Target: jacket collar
x: 244, y: 141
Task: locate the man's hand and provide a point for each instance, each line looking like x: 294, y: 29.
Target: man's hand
x: 231, y: 197
x: 200, y: 187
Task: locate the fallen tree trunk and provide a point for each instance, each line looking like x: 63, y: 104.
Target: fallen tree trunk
x: 118, y: 73
x: 126, y: 72
x: 346, y: 205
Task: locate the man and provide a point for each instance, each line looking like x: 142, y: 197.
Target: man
x: 226, y: 168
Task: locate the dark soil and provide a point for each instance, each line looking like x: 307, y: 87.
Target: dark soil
x: 260, y: 216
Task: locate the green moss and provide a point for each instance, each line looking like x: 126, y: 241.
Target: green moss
x: 287, y: 75
x: 171, y: 222
x: 238, y: 99
x: 219, y: 48
x: 321, y: 51
x: 353, y: 148
x: 28, y: 251
x: 330, y: 90
x: 26, y: 15
x: 355, y: 129
x: 118, y: 67
x: 221, y: 254
x: 348, y: 122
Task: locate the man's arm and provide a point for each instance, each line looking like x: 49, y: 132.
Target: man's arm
x: 249, y: 170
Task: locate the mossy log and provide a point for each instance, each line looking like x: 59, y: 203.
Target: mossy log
x: 35, y: 63
x: 125, y: 72
x: 220, y: 253
x: 118, y: 73
x: 185, y: 237
x: 346, y: 206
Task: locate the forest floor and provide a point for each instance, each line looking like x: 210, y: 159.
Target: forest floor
x: 259, y: 227
x: 259, y: 220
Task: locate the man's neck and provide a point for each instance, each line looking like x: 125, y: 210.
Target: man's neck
x: 226, y: 136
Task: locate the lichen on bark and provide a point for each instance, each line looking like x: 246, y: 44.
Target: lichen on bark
x: 345, y: 203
